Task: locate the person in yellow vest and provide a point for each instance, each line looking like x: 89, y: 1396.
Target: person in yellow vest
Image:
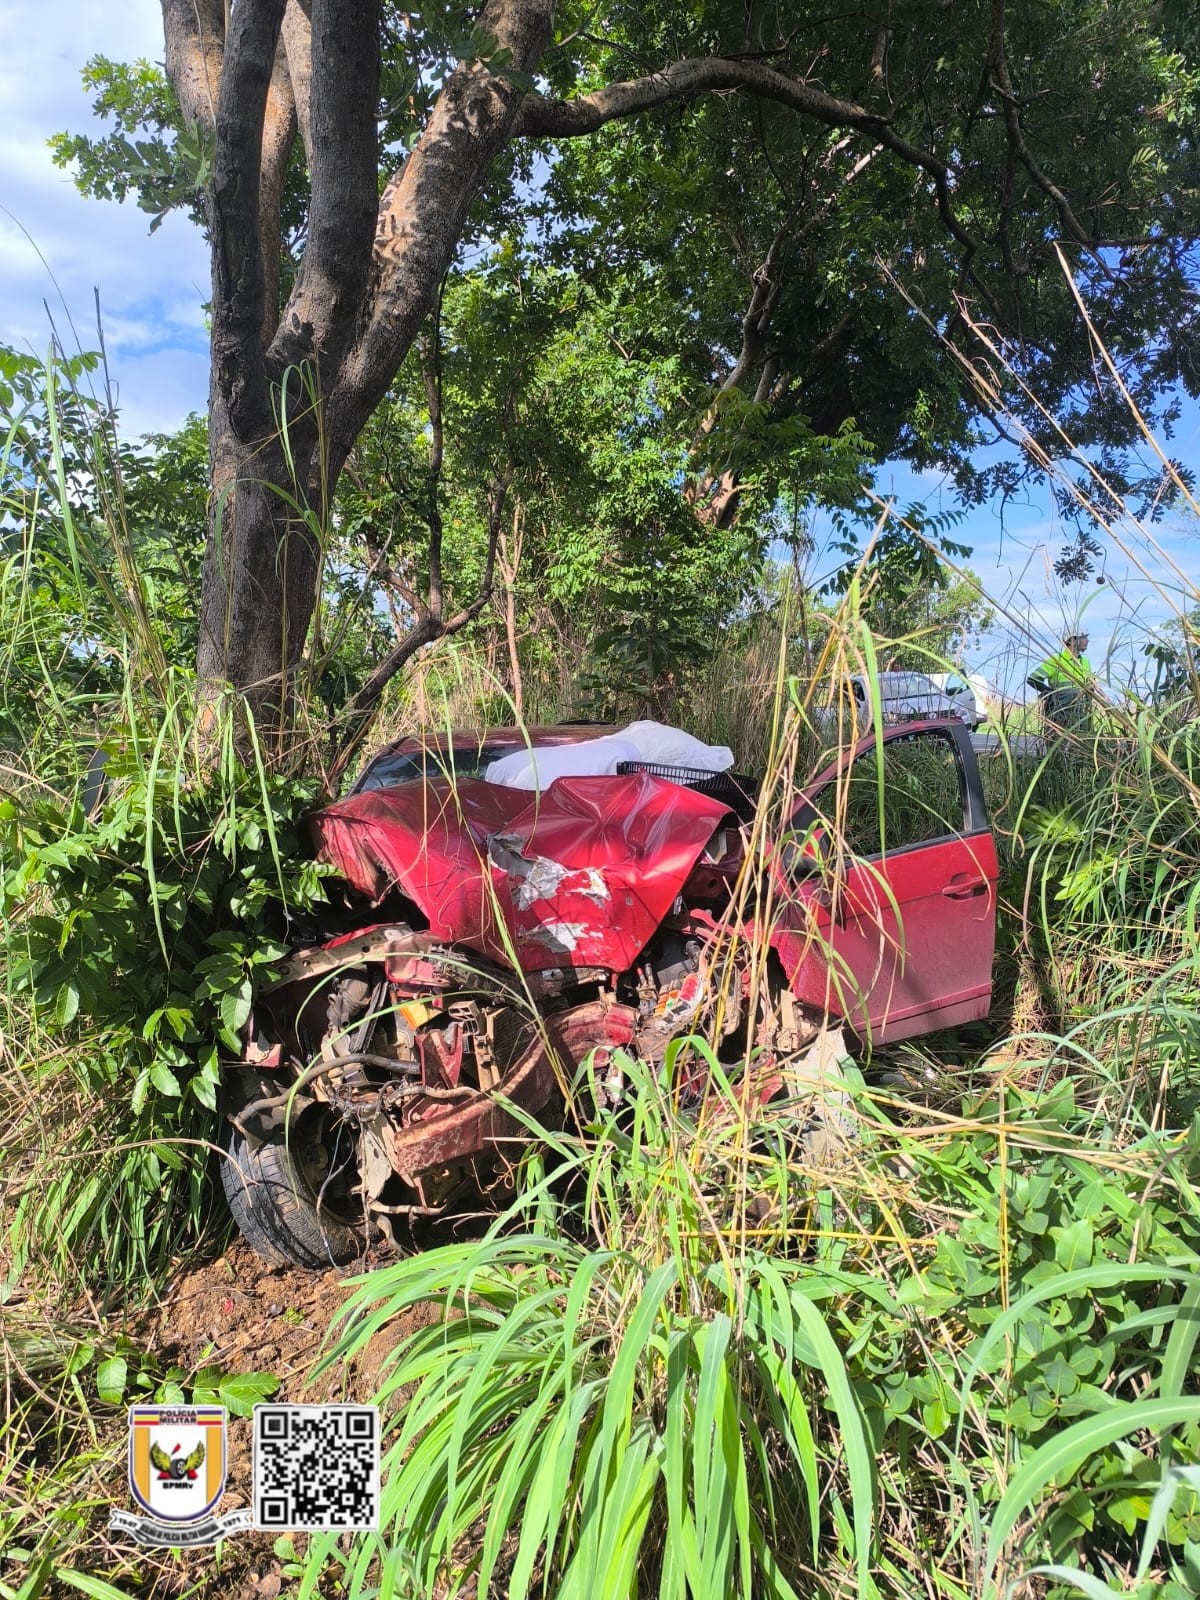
x: 1064, y: 682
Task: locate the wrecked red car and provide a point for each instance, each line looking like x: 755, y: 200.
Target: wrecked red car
x: 485, y: 941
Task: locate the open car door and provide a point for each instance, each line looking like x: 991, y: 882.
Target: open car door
x: 889, y: 922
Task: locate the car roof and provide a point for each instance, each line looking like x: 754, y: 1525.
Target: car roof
x: 438, y: 739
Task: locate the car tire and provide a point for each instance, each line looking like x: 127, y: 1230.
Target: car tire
x: 290, y: 1207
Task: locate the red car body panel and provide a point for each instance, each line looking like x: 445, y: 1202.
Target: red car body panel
x: 436, y: 1134
x: 580, y: 876
x: 620, y: 905
x: 903, y: 946
x: 905, y: 943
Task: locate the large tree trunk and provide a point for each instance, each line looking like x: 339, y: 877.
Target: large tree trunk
x: 290, y: 393
x: 260, y: 575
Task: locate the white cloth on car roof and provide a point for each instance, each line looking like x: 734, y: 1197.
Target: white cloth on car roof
x: 671, y: 747
x: 640, y: 741
x: 538, y: 768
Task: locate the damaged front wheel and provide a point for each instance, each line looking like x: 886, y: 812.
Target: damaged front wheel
x: 291, y: 1182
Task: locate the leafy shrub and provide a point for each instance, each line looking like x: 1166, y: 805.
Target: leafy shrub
x: 130, y: 953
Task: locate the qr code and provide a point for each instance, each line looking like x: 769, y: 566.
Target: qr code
x: 316, y: 1468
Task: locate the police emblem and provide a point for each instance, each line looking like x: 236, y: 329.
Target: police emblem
x: 177, y: 1474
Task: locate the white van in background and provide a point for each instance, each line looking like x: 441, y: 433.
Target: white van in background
x: 903, y: 696
x: 971, y: 691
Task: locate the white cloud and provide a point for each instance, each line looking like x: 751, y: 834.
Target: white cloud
x: 57, y: 248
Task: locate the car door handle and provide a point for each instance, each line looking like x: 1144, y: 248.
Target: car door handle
x: 962, y: 887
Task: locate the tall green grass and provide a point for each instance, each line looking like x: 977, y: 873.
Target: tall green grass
x: 938, y: 1361
x: 145, y: 851
x: 149, y: 859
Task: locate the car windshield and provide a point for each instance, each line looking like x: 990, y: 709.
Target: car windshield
x: 408, y: 766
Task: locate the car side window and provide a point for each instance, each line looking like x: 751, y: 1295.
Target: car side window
x: 922, y: 797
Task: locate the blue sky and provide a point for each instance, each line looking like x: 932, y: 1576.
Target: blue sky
x: 58, y: 248
x: 1150, y: 573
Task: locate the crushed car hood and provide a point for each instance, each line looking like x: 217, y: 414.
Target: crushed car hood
x: 580, y: 876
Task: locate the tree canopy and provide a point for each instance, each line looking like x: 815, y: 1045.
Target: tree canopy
x: 786, y: 218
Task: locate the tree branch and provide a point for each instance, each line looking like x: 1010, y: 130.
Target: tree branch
x: 1018, y: 148
x: 425, y: 205
x: 380, y: 570
x: 767, y: 281
x: 425, y: 630
x: 326, y: 301
x: 357, y: 715
x: 238, y: 287
x: 431, y: 373
x: 194, y: 32
x: 508, y: 559
x: 716, y: 495
x: 297, y: 42
x: 279, y: 134
x: 543, y: 118
x: 1024, y: 154
x: 717, y: 492
x: 497, y: 496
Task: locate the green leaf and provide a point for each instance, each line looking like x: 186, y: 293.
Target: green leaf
x: 95, y: 1588
x: 1086, y: 1280
x: 235, y: 1005
x: 141, y: 1091
x: 164, y: 1080
x: 205, y: 1090
x: 859, y: 1453
x: 111, y: 1377
x: 1063, y: 1454
x: 1060, y: 1377
x: 66, y: 1007
x: 936, y: 1417
x: 1185, y: 1329
x: 1073, y: 1245
x: 1088, y: 1585
x: 242, y: 1391
x: 82, y: 1356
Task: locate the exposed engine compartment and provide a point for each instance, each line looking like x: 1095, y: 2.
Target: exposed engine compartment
x: 415, y: 1045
